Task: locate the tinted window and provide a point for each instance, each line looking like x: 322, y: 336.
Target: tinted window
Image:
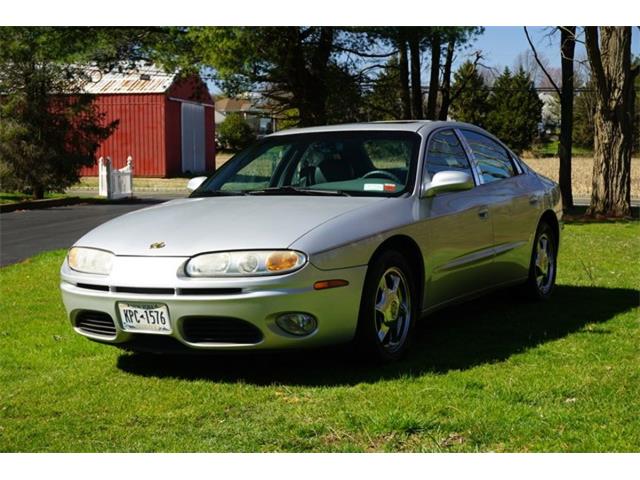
x: 446, y: 153
x: 492, y: 159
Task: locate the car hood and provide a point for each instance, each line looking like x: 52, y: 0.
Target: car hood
x: 194, y: 225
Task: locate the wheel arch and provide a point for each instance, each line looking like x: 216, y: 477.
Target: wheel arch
x: 549, y: 217
x: 410, y: 250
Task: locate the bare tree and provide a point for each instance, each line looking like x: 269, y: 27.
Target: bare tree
x: 613, y: 76
x: 403, y: 63
x: 565, y: 93
x: 416, y: 82
x: 446, y: 79
x: 434, y: 80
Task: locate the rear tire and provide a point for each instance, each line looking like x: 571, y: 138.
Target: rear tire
x: 387, y: 309
x: 543, y: 264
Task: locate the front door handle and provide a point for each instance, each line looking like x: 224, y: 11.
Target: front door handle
x: 483, y: 213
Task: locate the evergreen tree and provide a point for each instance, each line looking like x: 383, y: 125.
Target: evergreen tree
x: 49, y: 128
x: 584, y: 107
x: 384, y: 101
x: 515, y: 110
x: 469, y: 96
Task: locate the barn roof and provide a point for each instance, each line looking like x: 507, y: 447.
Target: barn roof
x: 142, y: 78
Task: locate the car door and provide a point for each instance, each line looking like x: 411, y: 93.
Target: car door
x: 514, y: 205
x: 458, y: 235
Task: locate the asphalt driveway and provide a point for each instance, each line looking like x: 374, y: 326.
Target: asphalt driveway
x: 28, y: 232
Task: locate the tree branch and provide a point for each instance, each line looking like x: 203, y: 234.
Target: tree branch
x: 539, y: 62
x: 366, y: 55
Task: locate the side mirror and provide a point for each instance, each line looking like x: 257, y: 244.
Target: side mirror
x: 195, y: 182
x: 447, y: 181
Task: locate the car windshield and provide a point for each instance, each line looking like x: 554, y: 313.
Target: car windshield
x: 369, y: 163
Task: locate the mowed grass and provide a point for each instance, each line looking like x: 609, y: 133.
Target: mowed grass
x: 496, y: 374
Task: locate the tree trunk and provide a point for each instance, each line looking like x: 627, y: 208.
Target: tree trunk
x: 403, y: 63
x: 446, y: 80
x: 435, y: 75
x: 318, y: 92
x: 38, y: 192
x: 416, y: 82
x: 613, y: 120
x: 307, y: 72
x: 567, y: 48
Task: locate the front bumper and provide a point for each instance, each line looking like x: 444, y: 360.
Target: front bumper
x: 257, y: 300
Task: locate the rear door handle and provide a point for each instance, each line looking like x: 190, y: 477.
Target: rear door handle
x: 483, y: 213
x: 534, y: 199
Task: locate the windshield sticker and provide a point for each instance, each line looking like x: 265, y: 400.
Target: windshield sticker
x: 389, y: 187
x: 374, y: 187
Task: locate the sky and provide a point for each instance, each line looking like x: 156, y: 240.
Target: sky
x: 502, y: 45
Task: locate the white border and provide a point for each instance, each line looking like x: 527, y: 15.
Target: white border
x: 325, y: 12
x: 320, y: 466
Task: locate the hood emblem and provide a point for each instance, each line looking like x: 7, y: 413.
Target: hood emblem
x: 157, y: 245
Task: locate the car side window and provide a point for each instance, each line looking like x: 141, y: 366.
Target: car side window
x: 494, y: 162
x: 446, y: 153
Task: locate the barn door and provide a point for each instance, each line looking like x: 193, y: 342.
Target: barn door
x: 193, y: 138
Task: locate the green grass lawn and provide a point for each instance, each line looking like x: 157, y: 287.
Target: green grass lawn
x: 14, y: 197
x: 496, y: 374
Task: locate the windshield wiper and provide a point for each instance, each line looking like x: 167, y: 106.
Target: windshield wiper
x: 290, y: 190
x: 216, y: 193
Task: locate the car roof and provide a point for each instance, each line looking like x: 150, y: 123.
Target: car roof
x: 417, y: 126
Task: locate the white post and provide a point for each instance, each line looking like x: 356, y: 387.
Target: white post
x: 104, y: 177
x: 109, y: 169
x: 130, y: 170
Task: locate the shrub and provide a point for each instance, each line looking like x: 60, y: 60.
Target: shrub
x: 235, y: 133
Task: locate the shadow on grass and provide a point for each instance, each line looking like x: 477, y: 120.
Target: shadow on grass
x: 487, y: 330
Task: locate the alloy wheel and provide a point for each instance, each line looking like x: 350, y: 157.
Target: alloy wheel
x: 392, y: 310
x: 544, y: 263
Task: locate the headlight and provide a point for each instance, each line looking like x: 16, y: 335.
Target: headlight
x: 90, y: 260
x: 238, y: 264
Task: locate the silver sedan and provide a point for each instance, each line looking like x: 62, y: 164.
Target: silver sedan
x: 319, y: 236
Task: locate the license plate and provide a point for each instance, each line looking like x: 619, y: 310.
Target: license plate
x: 145, y: 317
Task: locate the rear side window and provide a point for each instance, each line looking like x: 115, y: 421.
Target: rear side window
x: 493, y: 160
x: 446, y: 153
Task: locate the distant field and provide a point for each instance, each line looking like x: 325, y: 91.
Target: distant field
x: 582, y: 168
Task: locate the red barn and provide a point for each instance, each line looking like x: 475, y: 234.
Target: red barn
x: 166, y: 123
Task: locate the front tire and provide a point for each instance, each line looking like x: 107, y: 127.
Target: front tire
x: 387, y: 308
x: 543, y: 265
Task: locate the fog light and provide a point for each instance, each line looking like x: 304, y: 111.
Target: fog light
x: 297, y: 323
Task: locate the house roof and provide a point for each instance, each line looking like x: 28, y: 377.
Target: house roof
x: 228, y: 105
x: 142, y: 78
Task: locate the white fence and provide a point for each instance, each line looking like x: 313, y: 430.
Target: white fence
x: 115, y: 183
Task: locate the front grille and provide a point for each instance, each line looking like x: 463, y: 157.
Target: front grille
x: 150, y: 291
x: 96, y: 323
x: 220, y: 330
x: 162, y: 291
x: 91, y: 286
x: 209, y: 291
